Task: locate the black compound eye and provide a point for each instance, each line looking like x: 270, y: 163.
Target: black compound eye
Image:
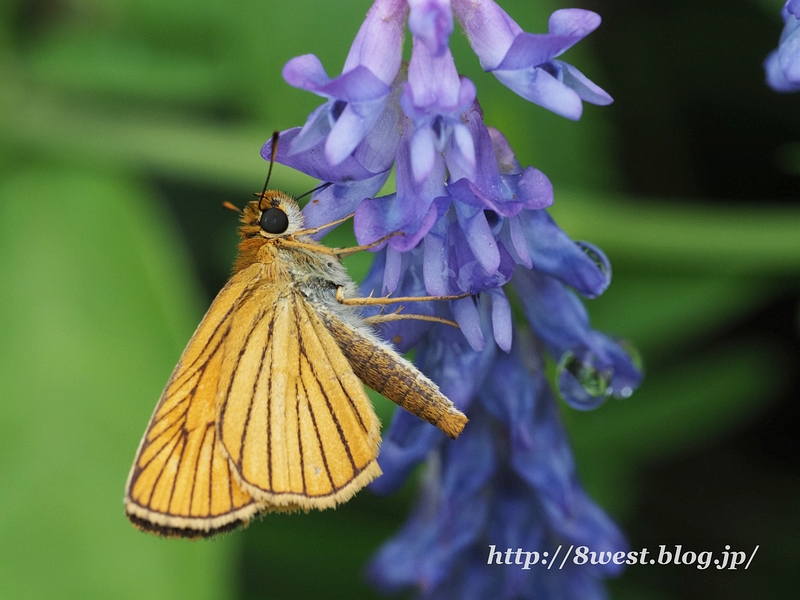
x: 274, y: 220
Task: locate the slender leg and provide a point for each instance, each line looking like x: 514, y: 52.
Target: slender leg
x: 371, y: 301
x: 375, y: 320
x: 340, y: 252
x: 396, y: 316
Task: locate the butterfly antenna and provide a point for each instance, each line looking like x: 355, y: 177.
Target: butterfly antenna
x: 274, y: 152
x: 321, y: 186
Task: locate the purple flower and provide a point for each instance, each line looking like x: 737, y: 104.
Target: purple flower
x: 472, y: 220
x: 592, y: 366
x: 356, y: 98
x: 782, y: 66
x: 526, y: 62
x: 435, y: 97
x: 507, y: 483
x: 355, y: 178
x: 472, y: 231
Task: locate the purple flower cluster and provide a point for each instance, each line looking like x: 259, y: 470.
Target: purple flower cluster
x: 473, y: 220
x: 508, y: 483
x: 783, y: 64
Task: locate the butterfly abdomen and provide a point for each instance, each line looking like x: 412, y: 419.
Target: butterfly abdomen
x: 385, y: 371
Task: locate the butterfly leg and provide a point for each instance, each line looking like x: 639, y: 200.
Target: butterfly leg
x: 396, y: 316
x: 383, y: 300
x: 341, y: 252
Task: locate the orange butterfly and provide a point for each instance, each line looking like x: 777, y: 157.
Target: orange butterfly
x: 265, y: 411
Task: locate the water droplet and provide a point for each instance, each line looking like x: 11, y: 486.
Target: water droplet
x: 597, y: 256
x: 626, y: 379
x: 594, y: 381
x: 633, y: 352
x: 581, y: 384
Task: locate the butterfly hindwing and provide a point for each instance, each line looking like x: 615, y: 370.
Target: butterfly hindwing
x: 294, y: 420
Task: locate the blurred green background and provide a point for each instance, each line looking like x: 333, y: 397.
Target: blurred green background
x: 125, y: 123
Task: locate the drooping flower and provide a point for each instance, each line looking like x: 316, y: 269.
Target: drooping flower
x: 435, y: 97
x: 507, y: 484
x: 471, y: 229
x: 356, y: 98
x: 526, y: 62
x: 472, y: 220
x: 782, y: 66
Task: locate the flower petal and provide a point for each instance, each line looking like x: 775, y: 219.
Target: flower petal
x: 488, y: 28
x: 585, y: 88
x: 533, y: 188
x: 339, y: 200
x: 478, y: 235
x: 538, y: 86
x: 453, y: 363
x: 432, y: 22
x: 316, y: 129
x: 466, y: 315
x: 423, y: 153
x: 378, y: 46
x: 501, y: 319
x: 573, y: 22
x: 584, y: 267
x: 507, y: 161
x: 535, y: 49
x: 351, y: 127
x: 312, y: 162
x: 306, y: 72
x: 592, y: 366
x: 460, y: 153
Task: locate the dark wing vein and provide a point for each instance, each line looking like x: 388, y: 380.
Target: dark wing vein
x: 196, y: 464
x: 182, y: 437
x: 336, y: 422
x: 319, y: 439
x: 298, y: 383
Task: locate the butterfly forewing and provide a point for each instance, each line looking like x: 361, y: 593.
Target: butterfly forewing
x: 294, y: 420
x: 181, y: 482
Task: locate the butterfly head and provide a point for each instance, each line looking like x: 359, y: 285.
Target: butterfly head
x: 273, y: 215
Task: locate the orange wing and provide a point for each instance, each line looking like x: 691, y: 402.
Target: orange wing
x: 294, y: 419
x: 181, y: 483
